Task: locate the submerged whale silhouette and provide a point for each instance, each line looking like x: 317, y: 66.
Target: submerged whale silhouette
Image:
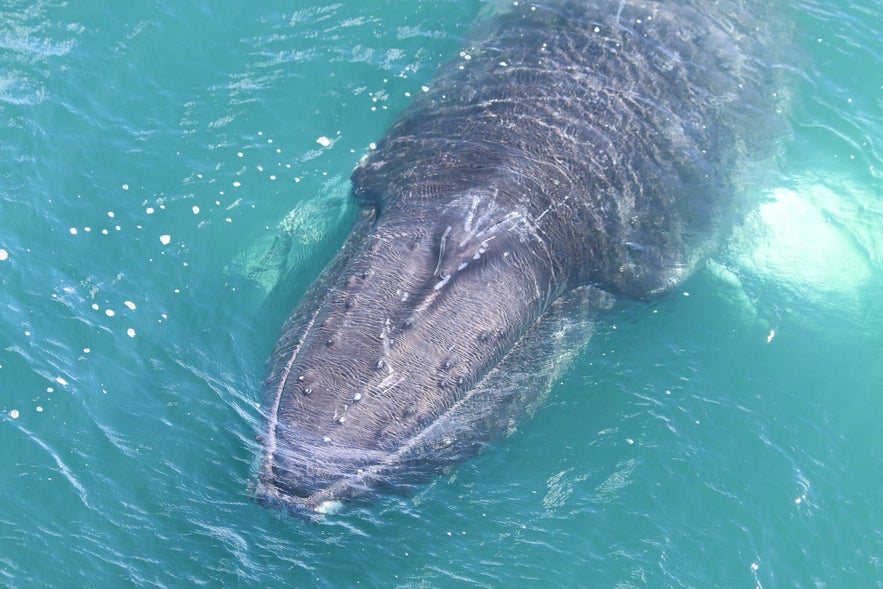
x: 574, y: 153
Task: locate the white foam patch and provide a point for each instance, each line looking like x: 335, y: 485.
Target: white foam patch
x: 795, y: 238
x: 329, y: 507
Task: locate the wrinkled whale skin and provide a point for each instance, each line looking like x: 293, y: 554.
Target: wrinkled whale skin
x: 574, y: 153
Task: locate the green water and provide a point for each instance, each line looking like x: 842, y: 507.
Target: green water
x: 726, y: 435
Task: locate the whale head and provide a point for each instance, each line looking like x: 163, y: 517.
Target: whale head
x: 416, y: 311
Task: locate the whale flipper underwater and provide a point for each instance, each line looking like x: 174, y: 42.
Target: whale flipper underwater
x: 575, y: 153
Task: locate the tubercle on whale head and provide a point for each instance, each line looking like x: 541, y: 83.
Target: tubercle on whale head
x: 421, y: 309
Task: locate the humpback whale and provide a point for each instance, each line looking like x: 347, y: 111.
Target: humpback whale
x: 572, y: 154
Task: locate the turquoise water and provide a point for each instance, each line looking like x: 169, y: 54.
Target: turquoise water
x: 726, y: 435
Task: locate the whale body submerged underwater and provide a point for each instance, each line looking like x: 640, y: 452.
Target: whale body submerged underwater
x: 576, y: 152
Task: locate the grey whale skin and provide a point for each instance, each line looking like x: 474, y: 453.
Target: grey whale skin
x: 582, y: 152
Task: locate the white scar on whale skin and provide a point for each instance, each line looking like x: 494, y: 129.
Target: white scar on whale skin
x: 551, y: 207
x: 389, y: 383
x: 441, y: 283
x: 384, y: 338
x: 441, y: 252
x: 467, y: 222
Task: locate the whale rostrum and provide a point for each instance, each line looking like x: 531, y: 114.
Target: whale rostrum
x: 575, y: 152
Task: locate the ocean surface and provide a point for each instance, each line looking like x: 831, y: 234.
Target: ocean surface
x: 174, y: 174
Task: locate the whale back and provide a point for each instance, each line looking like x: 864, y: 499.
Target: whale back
x: 617, y: 126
